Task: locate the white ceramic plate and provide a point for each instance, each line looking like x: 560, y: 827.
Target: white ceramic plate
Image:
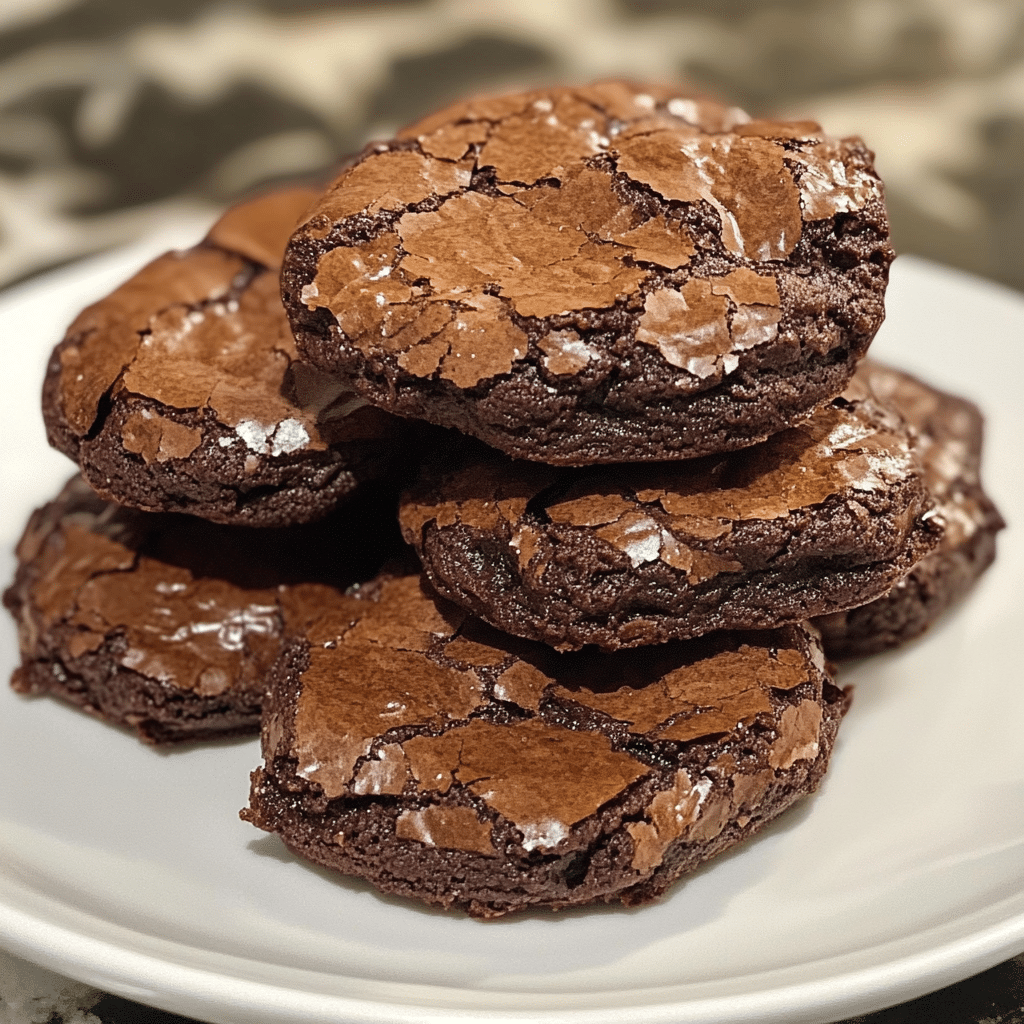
x: 129, y: 869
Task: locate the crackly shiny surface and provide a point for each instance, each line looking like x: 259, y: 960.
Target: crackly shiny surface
x: 193, y: 634
x: 182, y: 390
x: 194, y: 329
x: 539, y: 740
x: 513, y: 540
x: 591, y: 240
x: 932, y: 65
x: 949, y: 434
x: 949, y: 430
x: 647, y: 513
x: 551, y: 235
x: 168, y: 609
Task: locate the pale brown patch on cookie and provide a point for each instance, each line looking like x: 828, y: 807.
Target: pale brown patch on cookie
x: 509, y: 768
x: 451, y: 828
x: 157, y: 438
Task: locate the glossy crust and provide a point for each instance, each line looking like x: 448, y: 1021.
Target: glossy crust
x: 181, y: 391
x: 816, y: 519
x: 494, y: 775
x: 611, y: 273
x: 167, y: 624
x: 950, y: 436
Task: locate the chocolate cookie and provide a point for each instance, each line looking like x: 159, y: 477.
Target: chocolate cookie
x: 817, y: 518
x: 611, y: 273
x: 181, y: 391
x: 950, y: 432
x: 415, y: 747
x: 169, y: 624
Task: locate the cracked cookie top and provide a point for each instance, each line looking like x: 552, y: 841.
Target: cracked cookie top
x: 193, y: 329
x: 192, y: 607
x: 826, y: 514
x: 559, y: 228
x: 467, y: 709
x: 949, y: 430
x: 854, y: 448
x: 191, y: 362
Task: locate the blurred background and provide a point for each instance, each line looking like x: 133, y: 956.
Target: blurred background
x: 120, y: 116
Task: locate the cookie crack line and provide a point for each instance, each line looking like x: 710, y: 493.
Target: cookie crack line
x: 104, y: 407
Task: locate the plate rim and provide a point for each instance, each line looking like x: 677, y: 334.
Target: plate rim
x: 173, y: 985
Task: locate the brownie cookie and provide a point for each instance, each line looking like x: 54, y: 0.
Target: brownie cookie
x: 169, y: 624
x: 819, y: 517
x: 950, y: 431
x: 181, y: 391
x: 611, y: 273
x: 413, y: 746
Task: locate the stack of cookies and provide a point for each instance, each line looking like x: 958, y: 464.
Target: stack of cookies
x: 607, y: 343
x: 223, y: 483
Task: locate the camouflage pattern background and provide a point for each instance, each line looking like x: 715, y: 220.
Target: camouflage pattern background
x: 120, y: 116
x: 116, y: 115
